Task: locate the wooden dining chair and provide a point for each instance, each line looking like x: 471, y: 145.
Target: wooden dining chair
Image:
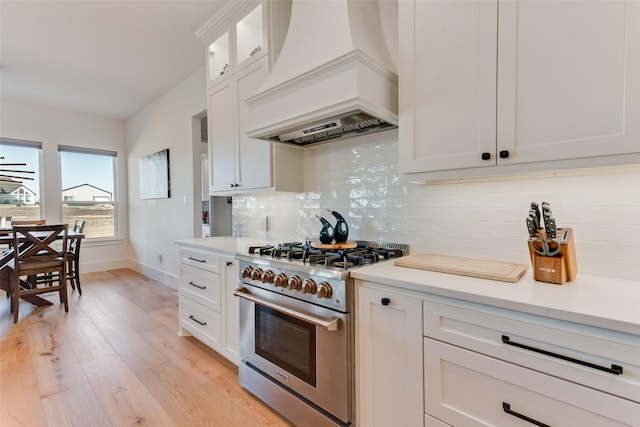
x: 35, y: 255
x: 27, y: 222
x: 73, y: 257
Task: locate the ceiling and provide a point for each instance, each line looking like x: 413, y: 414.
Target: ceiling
x: 109, y: 58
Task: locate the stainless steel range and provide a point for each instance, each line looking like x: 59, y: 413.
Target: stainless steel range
x: 296, y: 326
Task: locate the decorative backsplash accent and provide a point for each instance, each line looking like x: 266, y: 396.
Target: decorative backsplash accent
x: 359, y: 178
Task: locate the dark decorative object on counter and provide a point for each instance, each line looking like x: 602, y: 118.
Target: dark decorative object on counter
x: 341, y: 233
x: 327, y: 231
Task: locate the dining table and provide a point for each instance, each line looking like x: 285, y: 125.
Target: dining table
x: 6, y: 240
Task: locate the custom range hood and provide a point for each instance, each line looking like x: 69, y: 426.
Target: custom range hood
x: 333, y: 79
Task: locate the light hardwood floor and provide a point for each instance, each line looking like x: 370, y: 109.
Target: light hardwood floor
x: 116, y: 360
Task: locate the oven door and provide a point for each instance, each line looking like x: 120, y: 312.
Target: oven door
x: 303, y: 347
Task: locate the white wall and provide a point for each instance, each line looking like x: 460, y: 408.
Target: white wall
x: 486, y: 220
x: 52, y: 127
x: 157, y: 223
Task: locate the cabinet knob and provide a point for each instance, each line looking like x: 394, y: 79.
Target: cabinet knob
x: 504, y: 154
x: 229, y: 263
x: 486, y: 156
x: 385, y: 301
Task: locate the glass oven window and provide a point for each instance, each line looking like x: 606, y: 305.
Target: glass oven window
x: 287, y: 342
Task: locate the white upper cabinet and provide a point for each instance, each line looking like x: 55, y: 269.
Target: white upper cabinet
x: 218, y: 58
x: 238, y: 63
x: 494, y: 87
x: 250, y: 36
x: 235, y: 38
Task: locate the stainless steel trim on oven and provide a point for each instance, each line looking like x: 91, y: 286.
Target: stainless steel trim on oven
x: 324, y: 381
x: 331, y: 324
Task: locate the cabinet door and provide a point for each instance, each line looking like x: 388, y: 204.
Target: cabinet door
x: 389, y: 359
x: 448, y: 86
x: 568, y: 79
x: 465, y: 388
x: 231, y: 338
x: 222, y: 136
x: 254, y: 155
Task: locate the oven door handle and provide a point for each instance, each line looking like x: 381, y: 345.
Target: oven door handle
x: 331, y: 324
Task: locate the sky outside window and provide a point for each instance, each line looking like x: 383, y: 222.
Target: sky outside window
x: 84, y: 168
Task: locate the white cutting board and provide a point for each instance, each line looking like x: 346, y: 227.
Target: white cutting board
x: 494, y: 270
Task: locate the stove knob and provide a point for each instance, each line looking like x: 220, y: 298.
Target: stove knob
x: 295, y: 283
x: 267, y: 276
x: 324, y: 290
x: 309, y: 286
x: 256, y: 274
x: 246, y: 272
x: 280, y: 280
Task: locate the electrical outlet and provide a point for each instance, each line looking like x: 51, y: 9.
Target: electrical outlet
x: 160, y: 258
x: 264, y: 223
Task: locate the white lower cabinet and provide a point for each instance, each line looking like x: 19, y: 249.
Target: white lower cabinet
x: 231, y: 320
x: 201, y: 321
x: 472, y: 364
x: 208, y: 309
x: 465, y: 388
x: 389, y: 359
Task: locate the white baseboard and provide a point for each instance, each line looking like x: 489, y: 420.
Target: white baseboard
x: 163, y: 277
x: 113, y: 264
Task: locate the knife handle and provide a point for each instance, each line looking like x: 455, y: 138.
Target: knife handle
x: 553, y: 228
x: 531, y: 227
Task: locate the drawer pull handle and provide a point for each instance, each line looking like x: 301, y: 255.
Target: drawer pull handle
x: 615, y: 369
x: 197, y: 260
x: 507, y: 408
x: 197, y: 321
x: 197, y: 286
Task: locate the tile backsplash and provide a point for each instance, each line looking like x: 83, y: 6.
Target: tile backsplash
x: 359, y: 178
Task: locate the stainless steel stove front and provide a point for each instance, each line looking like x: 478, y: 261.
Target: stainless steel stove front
x: 296, y: 357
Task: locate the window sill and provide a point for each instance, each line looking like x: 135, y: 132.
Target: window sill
x: 101, y: 241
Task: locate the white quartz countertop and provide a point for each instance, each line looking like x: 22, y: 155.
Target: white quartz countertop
x: 599, y: 301
x: 226, y: 244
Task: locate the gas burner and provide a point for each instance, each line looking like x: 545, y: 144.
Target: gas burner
x: 344, y: 264
x: 304, y: 253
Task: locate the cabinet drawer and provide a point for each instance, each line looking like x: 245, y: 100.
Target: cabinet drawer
x: 202, y: 286
x: 584, y: 354
x: 464, y: 388
x: 200, y: 259
x: 201, y: 321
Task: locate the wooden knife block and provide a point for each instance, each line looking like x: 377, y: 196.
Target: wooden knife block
x: 557, y: 269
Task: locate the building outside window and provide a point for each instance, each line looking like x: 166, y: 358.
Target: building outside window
x: 88, y: 183
x: 20, y: 184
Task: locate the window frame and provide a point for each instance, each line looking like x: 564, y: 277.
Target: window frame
x: 25, y: 143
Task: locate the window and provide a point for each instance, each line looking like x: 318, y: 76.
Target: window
x: 88, y: 183
x: 20, y: 179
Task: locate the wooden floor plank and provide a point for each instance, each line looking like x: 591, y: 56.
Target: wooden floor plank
x: 125, y: 400
x: 77, y: 406
x: 257, y: 413
x: 93, y: 366
x: 189, y: 358
x: 18, y: 386
x: 134, y: 350
x: 54, y: 362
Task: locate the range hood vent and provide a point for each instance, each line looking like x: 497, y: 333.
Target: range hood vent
x: 333, y: 79
x: 355, y: 123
